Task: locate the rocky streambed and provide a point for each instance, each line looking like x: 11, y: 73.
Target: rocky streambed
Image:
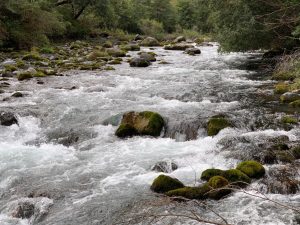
x: 61, y: 162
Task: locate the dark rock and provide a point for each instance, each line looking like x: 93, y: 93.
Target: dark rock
x: 193, y: 51
x: 69, y: 140
x: 24, y: 210
x: 178, y: 47
x: 289, y: 97
x: 273, y: 53
x: 17, y: 95
x: 137, y: 37
x: 4, y: 85
x: 1, y: 91
x: 142, y: 123
x: 150, y: 42
x: 139, y: 62
x: 149, y: 56
x: 164, y: 167
x: 7, y: 119
x: 40, y: 82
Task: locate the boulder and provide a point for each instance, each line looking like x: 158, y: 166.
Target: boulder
x: 7, y: 119
x: 236, y: 177
x: 149, y: 56
x: 219, y: 187
x: 209, y: 173
x: 193, y: 51
x: 178, y: 47
x: 164, y: 167
x: 17, y: 95
x: 216, y: 124
x: 199, y: 193
x: 180, y: 39
x: 289, y: 97
x: 139, y: 62
x: 150, y: 42
x: 131, y: 47
x: 252, y: 169
x: 115, y: 52
x: 163, y: 184
x: 142, y: 123
x: 137, y: 37
x: 24, y: 210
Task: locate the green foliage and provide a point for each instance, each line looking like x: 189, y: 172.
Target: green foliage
x: 152, y: 28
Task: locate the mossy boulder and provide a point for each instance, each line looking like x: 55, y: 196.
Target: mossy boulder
x: 97, y: 54
x: 252, y: 169
x: 150, y: 42
x: 163, y: 184
x: 180, y: 39
x: 25, y: 75
x: 139, y: 62
x: 198, y: 193
x: 109, y: 68
x: 131, y: 47
x: 143, y: 123
x: 178, y: 47
x: 289, y: 97
x: 115, y: 52
x: 289, y: 120
x: 295, y: 104
x: 126, y: 130
x: 216, y: 124
x: 219, y: 187
x: 281, y: 88
x: 236, y: 177
x: 209, y: 173
x: 149, y: 56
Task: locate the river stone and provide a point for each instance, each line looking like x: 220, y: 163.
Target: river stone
x: 150, y: 42
x: 149, y: 56
x: 7, y: 119
x: 140, y: 123
x: 180, y: 39
x: 216, y: 124
x: 193, y: 51
x: 17, y: 95
x: 139, y: 62
x: 198, y: 193
x: 289, y: 97
x: 163, y: 184
x: 115, y: 52
x: 164, y: 167
x: 252, y: 169
x: 178, y: 47
x: 24, y: 210
x: 218, y: 184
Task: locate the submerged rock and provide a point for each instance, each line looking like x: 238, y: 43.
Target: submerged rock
x: 216, y: 124
x: 164, y: 167
x: 163, y: 184
x: 24, y: 210
x: 139, y: 62
x: 143, y: 123
x: 7, y: 119
x: 252, y: 169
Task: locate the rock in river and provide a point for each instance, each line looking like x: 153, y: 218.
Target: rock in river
x: 7, y: 119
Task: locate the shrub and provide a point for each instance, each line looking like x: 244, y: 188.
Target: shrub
x: 152, y: 28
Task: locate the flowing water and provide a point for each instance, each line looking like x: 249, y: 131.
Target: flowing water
x: 94, y: 178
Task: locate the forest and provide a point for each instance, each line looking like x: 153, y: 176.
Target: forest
x: 238, y: 25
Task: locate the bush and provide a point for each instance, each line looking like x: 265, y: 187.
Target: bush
x: 152, y: 28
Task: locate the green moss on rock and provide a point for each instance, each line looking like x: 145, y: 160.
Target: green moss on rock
x: 218, y: 182
x: 10, y: 68
x: 236, y: 177
x: 289, y: 120
x: 126, y: 130
x: 163, y: 184
x: 219, y: 187
x: 281, y: 88
x: 216, y: 124
x: 209, y: 173
x: 295, y: 104
x: 144, y: 123
x: 198, y: 193
x: 24, y: 76
x: 252, y: 169
x: 32, y: 56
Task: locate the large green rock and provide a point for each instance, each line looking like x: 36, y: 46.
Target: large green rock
x: 216, y: 124
x: 252, y: 169
x: 142, y: 123
x: 198, y: 193
x: 236, y: 177
x: 219, y: 185
x: 209, y: 173
x: 163, y: 184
